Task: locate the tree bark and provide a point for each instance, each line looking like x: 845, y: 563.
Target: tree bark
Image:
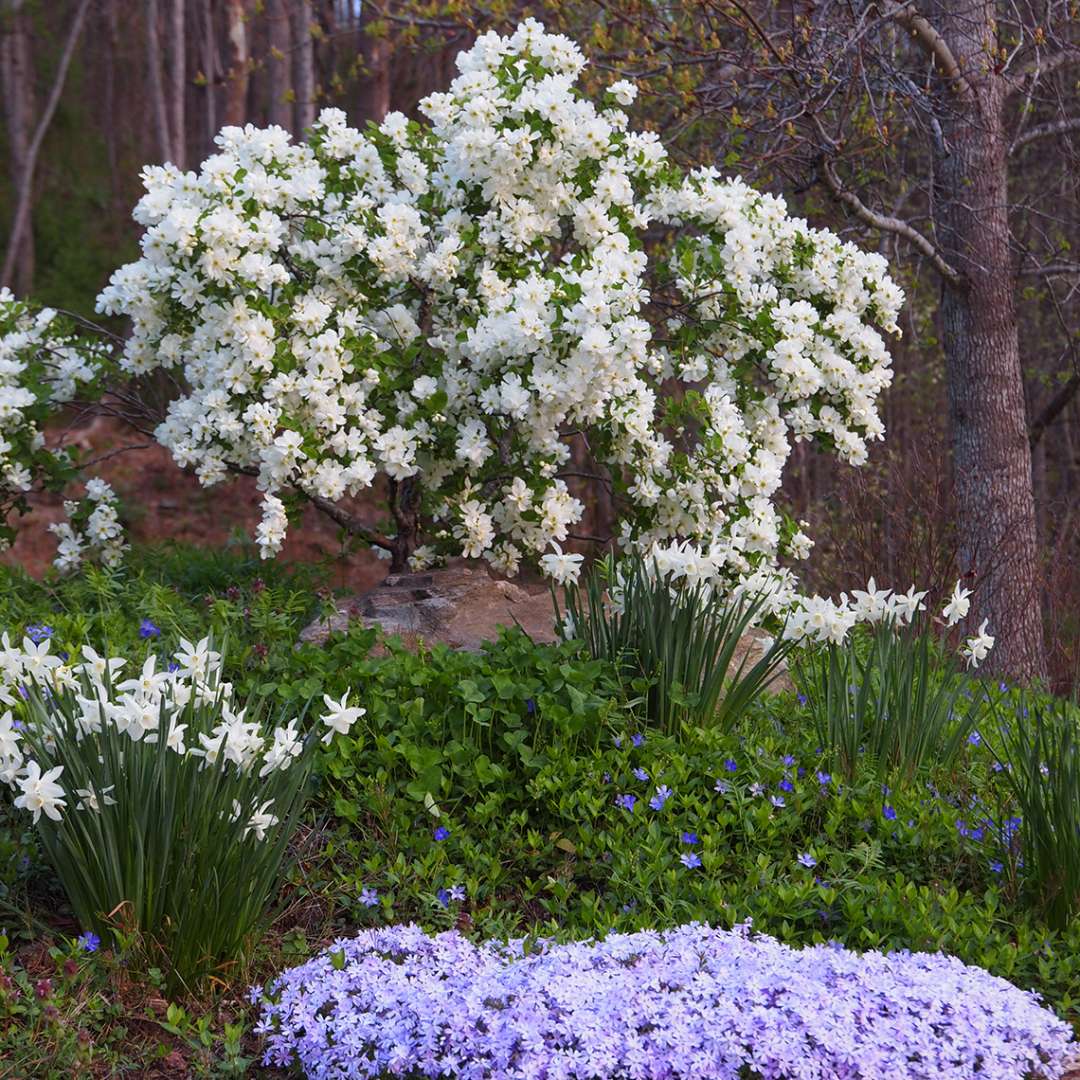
x: 20, y: 223
x: 304, y: 66
x: 16, y: 90
x: 156, y: 80
x: 278, y: 65
x: 210, y: 68
x: 177, y: 82
x: 991, y: 453
x: 373, y: 96
x: 239, y: 62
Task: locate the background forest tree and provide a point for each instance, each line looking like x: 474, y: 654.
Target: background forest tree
x: 946, y: 134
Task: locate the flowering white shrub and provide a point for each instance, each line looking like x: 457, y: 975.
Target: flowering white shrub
x: 448, y: 304
x: 44, y: 363
x: 163, y: 803
x: 92, y: 532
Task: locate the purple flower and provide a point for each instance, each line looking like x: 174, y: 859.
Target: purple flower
x: 786, y: 785
x: 89, y: 942
x: 802, y: 699
x: 996, y: 867
x: 888, y: 813
x: 690, y: 860
x: 757, y: 789
x: 369, y: 897
x: 641, y: 774
x: 789, y: 760
x: 689, y: 838
x: 443, y: 896
x: 441, y: 833
x: 638, y: 740
x: 148, y: 630
x: 823, y: 778
x: 663, y: 793
x: 807, y: 860
x: 38, y: 632
x: 975, y: 739
x: 398, y: 1001
x: 626, y: 802
x: 722, y: 786
x: 731, y: 765
x: 457, y: 892
x: 777, y: 801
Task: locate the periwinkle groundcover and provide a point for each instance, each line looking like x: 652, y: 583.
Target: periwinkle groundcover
x: 690, y: 1002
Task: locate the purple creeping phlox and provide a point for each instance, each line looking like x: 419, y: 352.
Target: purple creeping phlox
x: 689, y: 1002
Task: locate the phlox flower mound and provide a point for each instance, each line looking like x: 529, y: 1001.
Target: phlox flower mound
x: 690, y: 1002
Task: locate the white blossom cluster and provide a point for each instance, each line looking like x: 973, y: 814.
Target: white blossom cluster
x: 93, y: 530
x: 446, y: 303
x: 169, y: 705
x: 43, y: 363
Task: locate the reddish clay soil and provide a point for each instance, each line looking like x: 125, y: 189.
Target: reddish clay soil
x: 160, y: 502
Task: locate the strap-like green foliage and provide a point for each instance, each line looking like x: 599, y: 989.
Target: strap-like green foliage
x: 679, y: 641
x: 888, y: 698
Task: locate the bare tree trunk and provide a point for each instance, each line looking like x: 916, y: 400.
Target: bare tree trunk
x: 109, y: 23
x: 239, y: 68
x: 177, y: 83
x: 210, y: 68
x: 20, y: 224
x: 991, y: 454
x: 16, y: 89
x: 304, y: 67
x: 373, y: 97
x: 278, y: 65
x: 154, y: 76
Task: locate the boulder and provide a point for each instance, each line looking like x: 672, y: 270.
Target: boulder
x: 461, y: 606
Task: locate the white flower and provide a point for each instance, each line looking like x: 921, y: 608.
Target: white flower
x: 958, y: 605
x: 562, y: 567
x: 260, y: 821
x: 286, y: 746
x: 976, y: 649
x: 88, y: 799
x: 97, y: 667
x: 9, y: 737
x: 40, y: 792
x: 199, y: 660
x: 339, y: 716
x: 906, y: 605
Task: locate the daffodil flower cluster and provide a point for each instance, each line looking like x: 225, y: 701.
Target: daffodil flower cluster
x: 73, y: 708
x: 162, y: 801
x: 450, y: 303
x: 93, y: 531
x: 776, y: 594
x: 44, y: 363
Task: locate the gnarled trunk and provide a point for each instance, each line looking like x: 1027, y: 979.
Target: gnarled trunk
x: 991, y: 453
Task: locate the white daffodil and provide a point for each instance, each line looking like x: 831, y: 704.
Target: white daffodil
x: 339, y: 716
x: 977, y: 649
x: 40, y: 793
x: 88, y: 799
x: 562, y: 567
x: 958, y: 605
